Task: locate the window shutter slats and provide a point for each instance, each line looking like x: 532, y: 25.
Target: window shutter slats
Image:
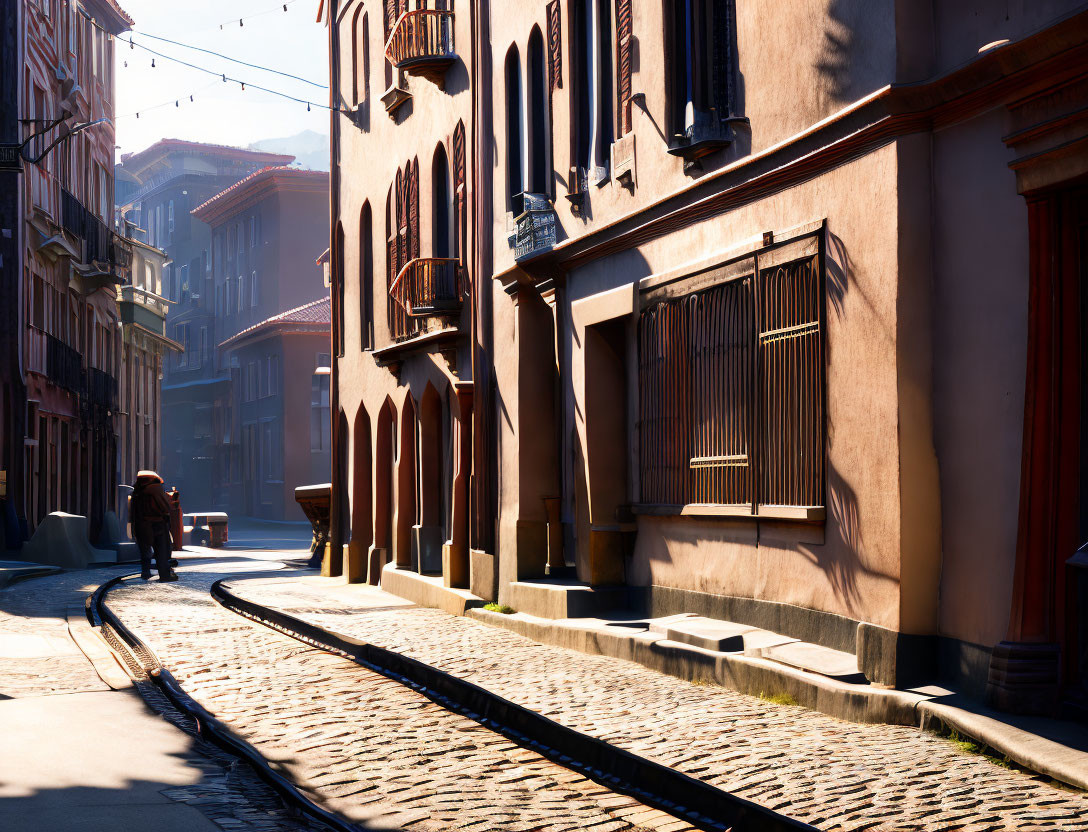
x: 555, y: 47
x: 623, y: 64
x: 413, y: 210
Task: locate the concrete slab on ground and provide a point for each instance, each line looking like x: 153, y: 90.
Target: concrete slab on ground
x: 90, y: 762
x: 18, y: 570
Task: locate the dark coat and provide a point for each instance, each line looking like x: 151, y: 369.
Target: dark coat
x: 149, y: 507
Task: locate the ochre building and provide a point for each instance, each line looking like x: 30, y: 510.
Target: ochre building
x: 772, y: 318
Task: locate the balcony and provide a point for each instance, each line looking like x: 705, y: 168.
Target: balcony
x: 422, y: 43
x: 144, y: 308
x: 534, y: 228
x: 63, y: 365
x: 429, y: 287
x: 101, y: 389
x: 81, y: 223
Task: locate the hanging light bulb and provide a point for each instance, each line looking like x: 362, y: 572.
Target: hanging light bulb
x: 285, y: 7
x: 224, y: 78
x: 190, y: 98
x: 137, y: 115
x: 307, y: 106
x: 176, y: 104
x: 131, y: 45
x: 126, y: 64
x: 152, y: 63
x: 240, y: 23
x: 243, y: 85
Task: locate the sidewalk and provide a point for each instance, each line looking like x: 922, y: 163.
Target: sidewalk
x: 818, y: 769
x: 81, y: 749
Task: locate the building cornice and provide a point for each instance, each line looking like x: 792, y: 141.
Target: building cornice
x: 259, y: 186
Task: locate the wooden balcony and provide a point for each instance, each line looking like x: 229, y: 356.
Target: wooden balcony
x: 429, y: 287
x: 422, y: 43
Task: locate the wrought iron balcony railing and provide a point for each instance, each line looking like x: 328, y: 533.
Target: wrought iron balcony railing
x: 82, y: 223
x: 429, y: 286
x: 422, y: 43
x: 101, y: 388
x: 534, y: 227
x: 63, y: 365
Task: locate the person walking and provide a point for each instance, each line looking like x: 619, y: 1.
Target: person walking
x: 150, y: 515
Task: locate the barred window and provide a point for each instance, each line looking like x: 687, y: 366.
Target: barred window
x: 731, y: 385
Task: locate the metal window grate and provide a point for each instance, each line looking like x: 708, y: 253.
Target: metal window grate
x: 731, y: 389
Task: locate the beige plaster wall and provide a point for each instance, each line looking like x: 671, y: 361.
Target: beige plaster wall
x: 851, y: 566
x: 373, y: 147
x: 798, y: 63
x: 980, y: 255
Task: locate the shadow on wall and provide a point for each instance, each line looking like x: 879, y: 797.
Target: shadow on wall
x: 842, y: 65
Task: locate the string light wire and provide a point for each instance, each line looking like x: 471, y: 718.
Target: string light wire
x: 235, y: 60
x: 227, y: 78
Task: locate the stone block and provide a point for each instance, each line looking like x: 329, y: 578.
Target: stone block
x: 892, y: 659
x: 61, y: 540
x: 482, y: 574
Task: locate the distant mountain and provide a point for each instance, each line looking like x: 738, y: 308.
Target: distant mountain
x: 310, y: 148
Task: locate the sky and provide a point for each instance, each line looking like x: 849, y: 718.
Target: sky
x: 221, y: 113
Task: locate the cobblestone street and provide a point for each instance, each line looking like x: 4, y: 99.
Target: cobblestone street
x: 332, y: 725
x: 211, y: 785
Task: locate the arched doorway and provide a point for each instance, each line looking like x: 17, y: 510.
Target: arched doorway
x: 385, y: 436
x: 404, y: 516
x: 362, y: 531
x: 430, y: 532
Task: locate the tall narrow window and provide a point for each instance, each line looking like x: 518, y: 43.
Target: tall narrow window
x: 338, y: 278
x: 539, y: 134
x: 699, y: 61
x: 605, y: 130
x: 581, y: 88
x: 624, y: 69
x: 366, y: 278
x: 356, y: 54
x: 440, y: 200
x: 514, y: 182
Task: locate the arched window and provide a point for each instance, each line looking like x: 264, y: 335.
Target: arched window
x: 515, y: 183
x: 441, y: 231
x: 356, y: 65
x: 539, y: 137
x: 366, y: 278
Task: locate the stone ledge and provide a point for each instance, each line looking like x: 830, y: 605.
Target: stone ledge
x: 428, y: 591
x: 752, y: 675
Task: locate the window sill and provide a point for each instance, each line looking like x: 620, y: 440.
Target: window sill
x: 803, y: 514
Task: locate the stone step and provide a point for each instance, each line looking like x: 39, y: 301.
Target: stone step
x: 717, y: 635
x: 834, y: 664
x: 547, y: 598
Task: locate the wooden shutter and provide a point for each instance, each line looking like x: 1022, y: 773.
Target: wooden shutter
x: 460, y: 218
x: 623, y: 63
x: 413, y: 210
x: 555, y: 47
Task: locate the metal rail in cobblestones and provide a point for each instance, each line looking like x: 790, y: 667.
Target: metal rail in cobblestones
x: 145, y: 665
x: 661, y: 787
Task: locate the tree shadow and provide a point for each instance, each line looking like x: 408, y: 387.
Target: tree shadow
x: 838, y: 64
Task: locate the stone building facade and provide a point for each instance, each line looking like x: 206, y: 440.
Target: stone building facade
x: 62, y: 261
x: 271, y: 333
x: 158, y: 189
x: 781, y: 326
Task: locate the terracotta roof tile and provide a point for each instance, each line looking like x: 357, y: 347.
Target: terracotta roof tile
x: 263, y: 173
x: 316, y: 312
